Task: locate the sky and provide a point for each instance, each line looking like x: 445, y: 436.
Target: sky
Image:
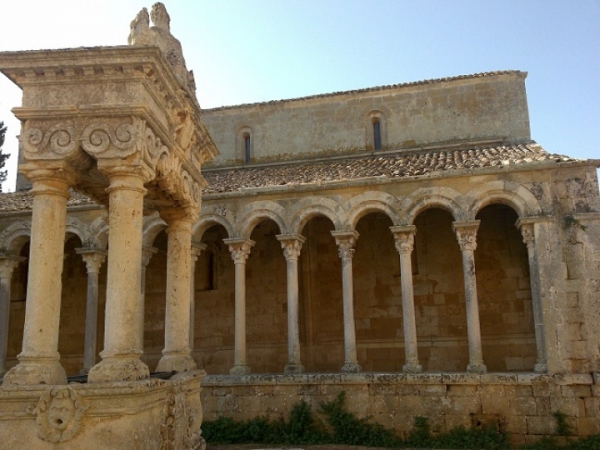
x: 245, y: 51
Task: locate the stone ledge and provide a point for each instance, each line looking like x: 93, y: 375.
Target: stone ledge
x: 458, y: 378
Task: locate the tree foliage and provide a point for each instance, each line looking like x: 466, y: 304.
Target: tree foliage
x: 3, y: 156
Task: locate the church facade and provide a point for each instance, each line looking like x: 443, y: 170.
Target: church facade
x: 408, y: 244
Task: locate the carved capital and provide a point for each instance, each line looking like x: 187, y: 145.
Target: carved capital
x: 197, y: 250
x: 8, y: 264
x: 291, y: 245
x: 125, y: 177
x: 173, y: 177
x: 239, y: 249
x: 147, y: 253
x: 466, y: 234
x: 93, y: 258
x: 173, y: 216
x: 404, y: 238
x: 345, y: 240
x: 53, y: 177
x: 528, y: 234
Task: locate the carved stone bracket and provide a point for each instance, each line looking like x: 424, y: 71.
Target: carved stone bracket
x: 345, y: 240
x: 239, y: 249
x: 404, y: 238
x: 291, y: 245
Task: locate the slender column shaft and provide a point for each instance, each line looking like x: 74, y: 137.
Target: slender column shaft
x: 196, y: 252
x: 404, y: 237
x: 39, y: 360
x: 240, y: 250
x: 122, y: 343
x: 93, y: 260
x: 345, y: 241
x: 466, y: 234
x: 528, y: 232
x: 292, y: 244
x: 176, y: 355
x: 7, y: 266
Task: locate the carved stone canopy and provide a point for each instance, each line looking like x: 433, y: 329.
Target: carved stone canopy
x: 91, y: 110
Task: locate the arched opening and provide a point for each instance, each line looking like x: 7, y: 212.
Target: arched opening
x: 439, y: 294
x: 155, y: 289
x: 266, y: 301
x: 504, y: 292
x: 18, y: 295
x: 214, y: 311
x: 321, y: 308
x: 71, y: 335
x: 377, y: 296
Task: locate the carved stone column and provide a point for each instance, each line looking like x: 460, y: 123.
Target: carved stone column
x: 176, y: 355
x: 292, y: 244
x: 240, y: 250
x: 404, y: 238
x: 197, y: 250
x: 7, y: 266
x: 39, y: 359
x: 93, y: 260
x: 528, y: 232
x: 147, y: 253
x: 345, y: 241
x: 466, y: 234
x: 122, y: 342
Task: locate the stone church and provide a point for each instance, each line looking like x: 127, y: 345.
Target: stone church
x: 409, y: 244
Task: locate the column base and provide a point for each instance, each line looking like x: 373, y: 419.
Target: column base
x: 540, y: 368
x: 118, y: 368
x: 240, y: 370
x: 351, y: 367
x: 176, y: 362
x: 412, y: 368
x: 476, y: 368
x: 293, y: 368
x: 32, y: 370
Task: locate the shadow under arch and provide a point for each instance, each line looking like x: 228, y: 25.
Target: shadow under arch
x: 443, y: 198
x: 518, y: 197
x: 207, y: 221
x: 308, y: 209
x: 370, y: 202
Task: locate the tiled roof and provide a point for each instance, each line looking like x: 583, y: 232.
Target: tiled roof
x: 396, y: 165
x: 22, y: 201
x: 376, y: 88
x: 392, y: 165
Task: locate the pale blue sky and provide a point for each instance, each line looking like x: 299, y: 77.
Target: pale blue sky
x: 258, y: 50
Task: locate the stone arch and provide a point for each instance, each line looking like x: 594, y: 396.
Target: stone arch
x: 436, y: 197
x: 152, y: 226
x: 369, y: 202
x: 511, y: 194
x: 98, y: 234
x: 207, y: 221
x: 78, y: 228
x: 307, y: 208
x: 256, y: 212
x: 15, y: 236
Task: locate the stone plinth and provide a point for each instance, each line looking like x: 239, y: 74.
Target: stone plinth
x: 148, y: 414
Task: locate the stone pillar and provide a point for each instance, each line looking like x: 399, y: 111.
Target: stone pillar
x: 93, y: 260
x: 7, y: 266
x: 197, y: 250
x: 240, y: 250
x: 404, y: 238
x: 528, y: 232
x: 176, y: 355
x: 292, y: 244
x: 147, y: 253
x: 345, y: 241
x: 122, y: 334
x: 466, y: 234
x: 39, y: 359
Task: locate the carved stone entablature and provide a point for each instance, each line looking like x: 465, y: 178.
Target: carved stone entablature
x: 89, y: 105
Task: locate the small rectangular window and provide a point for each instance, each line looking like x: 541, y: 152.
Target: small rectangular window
x: 247, y: 148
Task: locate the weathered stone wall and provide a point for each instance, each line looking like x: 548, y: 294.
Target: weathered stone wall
x: 470, y: 108
x: 521, y: 405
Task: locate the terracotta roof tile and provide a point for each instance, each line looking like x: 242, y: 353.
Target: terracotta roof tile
x: 397, y: 165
